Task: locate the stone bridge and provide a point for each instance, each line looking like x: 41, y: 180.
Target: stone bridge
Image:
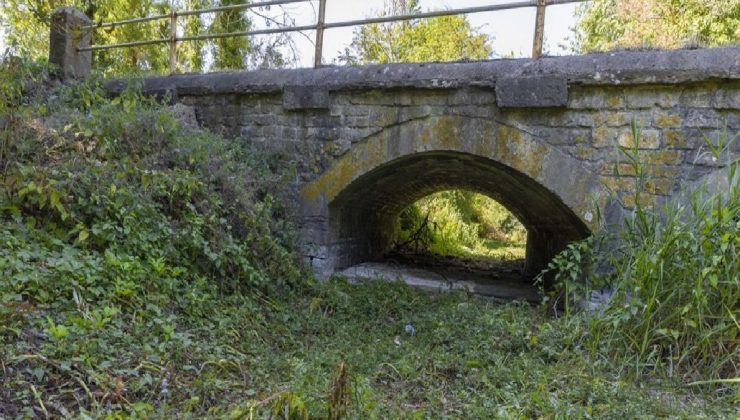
x: 539, y: 136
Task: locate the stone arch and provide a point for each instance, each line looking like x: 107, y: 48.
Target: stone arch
x: 350, y: 209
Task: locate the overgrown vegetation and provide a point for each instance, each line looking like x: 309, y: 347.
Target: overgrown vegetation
x: 461, y: 223
x: 114, y: 217
x: 675, y: 275
x: 146, y: 270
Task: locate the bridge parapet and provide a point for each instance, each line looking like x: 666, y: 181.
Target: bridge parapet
x: 604, y: 69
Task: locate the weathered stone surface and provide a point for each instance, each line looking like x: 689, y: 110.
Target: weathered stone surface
x: 304, y: 97
x: 648, y: 139
x: 368, y: 141
x: 66, y: 35
x: 666, y: 120
x: 531, y: 92
x: 608, y: 69
x: 185, y: 115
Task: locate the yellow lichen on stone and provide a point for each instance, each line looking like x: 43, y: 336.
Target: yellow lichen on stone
x: 649, y: 139
x: 376, y: 152
x: 446, y: 133
x: 584, y: 152
x: 331, y: 183
x: 616, y: 183
x: 667, y: 121
x: 523, y: 154
x: 616, y: 119
x: 659, y: 186
x: 603, y: 136
x: 675, y: 139
x: 617, y: 169
x: 614, y: 101
x: 425, y: 139
x: 488, y: 139
x: 629, y: 199
x: 662, y: 157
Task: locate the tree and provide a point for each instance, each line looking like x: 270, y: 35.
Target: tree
x: 26, y: 24
x: 447, y: 38
x: 230, y: 53
x: 612, y: 24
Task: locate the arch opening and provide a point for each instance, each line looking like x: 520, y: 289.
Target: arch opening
x: 363, y: 216
x: 457, y: 237
x: 459, y: 226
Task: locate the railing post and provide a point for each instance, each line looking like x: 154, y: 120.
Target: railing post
x: 539, y: 29
x: 320, y: 34
x: 67, y: 34
x: 173, y: 38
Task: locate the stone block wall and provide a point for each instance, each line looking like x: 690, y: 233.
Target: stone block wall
x: 549, y: 130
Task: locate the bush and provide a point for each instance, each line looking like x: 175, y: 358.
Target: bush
x: 112, y: 199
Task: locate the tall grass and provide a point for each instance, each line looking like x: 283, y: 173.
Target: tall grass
x: 675, y: 275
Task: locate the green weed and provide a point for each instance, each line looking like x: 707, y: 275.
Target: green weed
x: 113, y: 218
x: 146, y: 271
x: 674, y: 269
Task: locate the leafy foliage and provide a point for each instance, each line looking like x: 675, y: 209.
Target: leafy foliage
x: 462, y: 223
x: 230, y: 52
x: 611, y: 24
x: 447, y: 38
x: 118, y: 185
x: 115, y: 217
x: 242, y: 357
x: 27, y: 24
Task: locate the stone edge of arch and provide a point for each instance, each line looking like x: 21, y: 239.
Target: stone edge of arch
x: 559, y: 173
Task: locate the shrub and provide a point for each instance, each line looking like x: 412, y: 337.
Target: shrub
x: 112, y: 199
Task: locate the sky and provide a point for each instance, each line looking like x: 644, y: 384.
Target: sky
x: 511, y: 30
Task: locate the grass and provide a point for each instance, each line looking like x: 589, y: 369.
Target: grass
x: 147, y: 270
x: 493, y: 249
x: 467, y: 358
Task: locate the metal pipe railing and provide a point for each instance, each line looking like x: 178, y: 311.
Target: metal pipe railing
x: 445, y: 12
x: 319, y: 27
x: 192, y: 12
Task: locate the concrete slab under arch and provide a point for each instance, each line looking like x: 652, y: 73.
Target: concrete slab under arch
x: 440, y: 280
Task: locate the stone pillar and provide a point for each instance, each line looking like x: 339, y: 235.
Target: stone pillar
x: 536, y: 254
x: 542, y: 246
x: 65, y: 37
